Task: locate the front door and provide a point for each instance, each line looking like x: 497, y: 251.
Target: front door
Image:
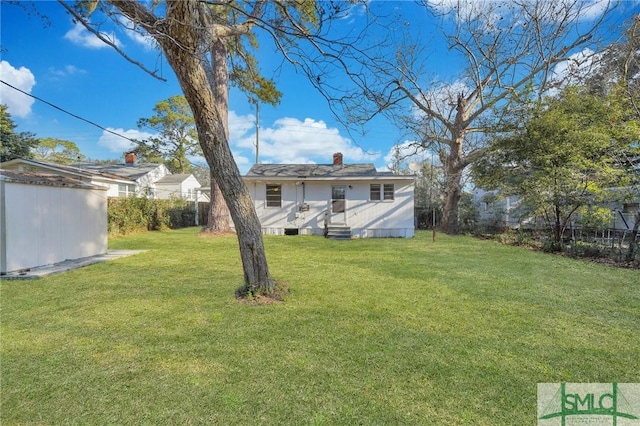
x: 338, y: 204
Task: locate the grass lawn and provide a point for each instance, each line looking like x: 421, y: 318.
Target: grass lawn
x: 374, y: 332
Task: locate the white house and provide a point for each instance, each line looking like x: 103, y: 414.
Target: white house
x: 354, y: 200
x: 121, y: 180
x: 184, y: 186
x: 508, y: 211
x: 142, y: 176
x: 47, y: 218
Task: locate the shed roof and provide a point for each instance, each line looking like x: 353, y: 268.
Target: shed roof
x: 45, y: 179
x: 61, y: 168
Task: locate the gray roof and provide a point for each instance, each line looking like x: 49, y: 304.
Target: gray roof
x: 319, y: 171
x: 72, y: 169
x: 46, y: 179
x: 134, y: 172
x: 312, y: 170
x: 177, y: 178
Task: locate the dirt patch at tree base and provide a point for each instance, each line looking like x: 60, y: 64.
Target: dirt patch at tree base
x: 278, y: 295
x: 215, y: 234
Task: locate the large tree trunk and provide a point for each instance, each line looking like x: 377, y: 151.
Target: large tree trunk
x: 452, y: 194
x: 185, y: 36
x: 218, y: 214
x: 454, y: 165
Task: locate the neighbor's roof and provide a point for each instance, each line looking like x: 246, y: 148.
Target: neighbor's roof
x: 46, y: 179
x: 134, y: 172
x: 177, y: 178
x: 34, y: 165
x: 318, y: 171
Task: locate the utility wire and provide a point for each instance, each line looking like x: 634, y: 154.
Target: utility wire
x: 67, y: 112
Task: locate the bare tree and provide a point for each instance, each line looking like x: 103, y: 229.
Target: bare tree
x: 207, y: 43
x: 510, y: 50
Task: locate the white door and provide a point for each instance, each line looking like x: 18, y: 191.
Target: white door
x: 338, y: 204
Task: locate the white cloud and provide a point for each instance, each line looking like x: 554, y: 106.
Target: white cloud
x: 66, y: 71
x: 496, y: 14
x: 81, y: 36
x: 239, y: 125
x: 594, y: 9
x: 576, y: 68
x: 442, y: 98
x: 292, y: 141
x: 18, y: 104
x: 406, y: 153
x: 118, y: 144
x: 136, y: 34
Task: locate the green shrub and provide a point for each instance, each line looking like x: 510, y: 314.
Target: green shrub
x: 133, y: 214
x: 551, y: 246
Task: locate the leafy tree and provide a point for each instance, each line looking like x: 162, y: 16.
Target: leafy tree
x: 57, y: 151
x: 565, y: 157
x: 177, y: 138
x: 14, y: 145
x: 208, y: 45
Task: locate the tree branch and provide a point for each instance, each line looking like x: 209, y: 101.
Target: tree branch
x: 85, y: 23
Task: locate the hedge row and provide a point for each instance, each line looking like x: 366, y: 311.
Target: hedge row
x: 133, y: 214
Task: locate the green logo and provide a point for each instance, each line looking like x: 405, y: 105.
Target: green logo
x: 616, y: 404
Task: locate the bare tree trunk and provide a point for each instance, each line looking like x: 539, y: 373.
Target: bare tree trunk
x: 454, y: 165
x: 212, y: 134
x: 452, y: 194
x: 218, y: 214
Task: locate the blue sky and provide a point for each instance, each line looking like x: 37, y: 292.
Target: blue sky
x: 60, y: 62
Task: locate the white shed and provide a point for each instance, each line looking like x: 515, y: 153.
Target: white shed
x: 46, y: 219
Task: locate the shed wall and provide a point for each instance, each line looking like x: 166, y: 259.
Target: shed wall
x: 41, y: 225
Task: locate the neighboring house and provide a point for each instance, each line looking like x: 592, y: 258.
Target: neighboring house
x: 354, y: 200
x: 498, y: 211
x: 506, y: 211
x: 142, y: 175
x: 184, y: 186
x: 121, y: 180
x: 48, y: 218
x: 113, y: 183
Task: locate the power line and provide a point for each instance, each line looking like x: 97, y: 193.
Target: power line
x: 67, y: 112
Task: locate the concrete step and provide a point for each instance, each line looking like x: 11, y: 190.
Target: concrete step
x: 339, y: 232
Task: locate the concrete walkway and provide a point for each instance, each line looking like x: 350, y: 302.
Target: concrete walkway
x: 42, y: 271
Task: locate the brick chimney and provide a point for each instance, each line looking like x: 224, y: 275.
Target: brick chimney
x: 130, y: 158
x: 337, y: 159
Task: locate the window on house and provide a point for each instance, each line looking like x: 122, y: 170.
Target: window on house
x: 126, y: 190
x: 389, y: 192
x: 274, y: 196
x: 375, y: 192
x: 380, y: 192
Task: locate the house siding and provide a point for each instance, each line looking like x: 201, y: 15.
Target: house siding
x: 178, y: 189
x: 366, y: 218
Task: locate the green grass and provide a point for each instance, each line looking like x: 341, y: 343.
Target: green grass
x: 375, y: 332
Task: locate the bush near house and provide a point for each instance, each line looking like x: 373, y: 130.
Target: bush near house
x: 133, y: 214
